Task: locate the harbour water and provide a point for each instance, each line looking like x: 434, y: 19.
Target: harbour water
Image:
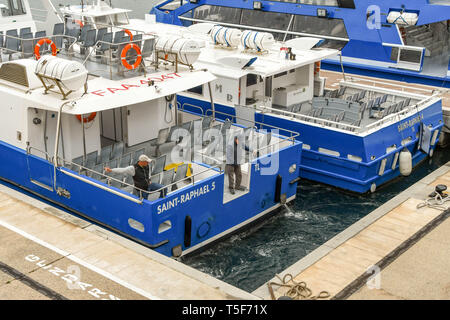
x: 249, y: 259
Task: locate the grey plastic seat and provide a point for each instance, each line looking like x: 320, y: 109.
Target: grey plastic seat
x: 72, y: 34
x: 77, y: 161
x: 84, y: 32
x: 91, y: 159
x: 407, y: 102
x: 187, y: 125
x: 11, y: 33
x: 226, y: 126
x: 12, y: 47
x: 105, y: 44
x: 167, y: 177
x: 105, y: 154
x: 112, y: 163
x: 117, y: 151
x: 156, y: 178
x: 24, y: 30
x: 147, y: 48
x: 125, y: 161
x: 137, y: 154
x: 27, y: 45
x: 180, y: 175
x: 89, y: 41
x: 118, y: 36
x: 100, y: 33
x: 206, y: 123
x: 97, y: 173
x: 158, y: 165
x: 163, y: 136
x: 58, y: 29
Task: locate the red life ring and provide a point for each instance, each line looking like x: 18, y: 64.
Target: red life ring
x: 123, y: 56
x: 128, y: 32
x: 88, y: 119
x: 40, y: 43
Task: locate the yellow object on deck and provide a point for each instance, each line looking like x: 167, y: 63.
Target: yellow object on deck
x: 176, y: 165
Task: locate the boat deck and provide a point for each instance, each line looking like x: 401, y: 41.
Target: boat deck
x: 355, y: 257
x: 333, y: 79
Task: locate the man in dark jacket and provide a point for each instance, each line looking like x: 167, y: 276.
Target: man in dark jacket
x: 234, y: 160
x: 141, y: 176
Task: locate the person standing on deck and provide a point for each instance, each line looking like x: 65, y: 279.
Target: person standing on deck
x: 141, y: 176
x: 234, y: 159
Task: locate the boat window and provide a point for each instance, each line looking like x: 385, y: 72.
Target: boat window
x: 312, y: 2
x: 280, y: 74
x: 172, y: 5
x: 197, y: 90
x: 12, y: 8
x: 319, y: 26
x: 218, y: 14
x: 252, y: 79
x: 264, y: 19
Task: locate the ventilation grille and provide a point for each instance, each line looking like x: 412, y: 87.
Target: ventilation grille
x: 14, y: 73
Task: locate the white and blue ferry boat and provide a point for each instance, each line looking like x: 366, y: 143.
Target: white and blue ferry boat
x: 400, y: 40
x: 355, y: 136
x: 95, y: 103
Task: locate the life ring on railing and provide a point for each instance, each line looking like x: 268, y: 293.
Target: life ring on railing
x: 316, y: 68
x: 40, y: 43
x: 128, y: 32
x: 88, y: 119
x: 123, y: 56
x: 80, y: 23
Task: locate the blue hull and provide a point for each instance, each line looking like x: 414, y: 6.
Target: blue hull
x: 339, y: 171
x: 202, y: 203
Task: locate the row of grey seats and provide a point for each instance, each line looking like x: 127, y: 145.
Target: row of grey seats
x: 20, y: 41
x: 170, y: 134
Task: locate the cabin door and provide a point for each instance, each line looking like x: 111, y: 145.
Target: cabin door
x: 40, y: 171
x: 41, y: 139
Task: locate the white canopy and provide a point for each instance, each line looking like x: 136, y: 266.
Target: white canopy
x: 104, y: 94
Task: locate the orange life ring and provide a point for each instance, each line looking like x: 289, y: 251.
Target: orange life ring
x: 123, y: 56
x: 88, y: 119
x: 317, y: 68
x: 80, y: 23
x: 40, y: 43
x: 128, y: 32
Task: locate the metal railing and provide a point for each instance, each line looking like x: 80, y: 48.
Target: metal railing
x: 320, y: 121
x: 141, y: 192
x: 22, y: 45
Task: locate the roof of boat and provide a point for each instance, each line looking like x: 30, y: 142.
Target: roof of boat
x: 104, y: 94
x: 213, y: 57
x: 92, y: 11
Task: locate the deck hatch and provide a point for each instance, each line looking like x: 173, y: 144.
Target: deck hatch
x: 14, y: 73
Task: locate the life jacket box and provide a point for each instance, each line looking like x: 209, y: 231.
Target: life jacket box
x: 292, y: 94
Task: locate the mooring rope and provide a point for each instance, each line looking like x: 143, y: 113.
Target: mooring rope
x: 297, y: 290
x: 435, y: 203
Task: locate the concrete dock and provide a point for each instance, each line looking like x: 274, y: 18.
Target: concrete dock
x: 398, y: 251
x: 49, y: 254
